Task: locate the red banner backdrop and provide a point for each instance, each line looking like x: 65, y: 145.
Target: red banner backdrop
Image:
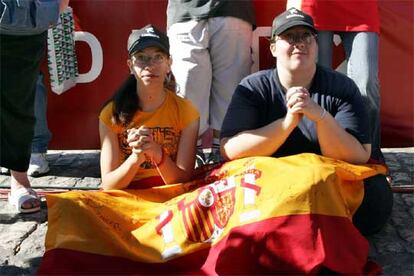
x: 102, y: 29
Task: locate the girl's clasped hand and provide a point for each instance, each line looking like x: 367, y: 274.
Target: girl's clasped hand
x: 142, y: 144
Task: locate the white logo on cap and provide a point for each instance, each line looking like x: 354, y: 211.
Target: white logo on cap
x: 294, y: 13
x: 150, y: 32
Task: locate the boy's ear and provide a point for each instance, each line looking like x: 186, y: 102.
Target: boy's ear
x: 272, y: 48
x: 129, y: 64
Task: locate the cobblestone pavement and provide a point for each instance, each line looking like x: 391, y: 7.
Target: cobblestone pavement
x: 22, y: 236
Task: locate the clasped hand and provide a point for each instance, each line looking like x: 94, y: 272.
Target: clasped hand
x: 143, y: 145
x: 299, y: 104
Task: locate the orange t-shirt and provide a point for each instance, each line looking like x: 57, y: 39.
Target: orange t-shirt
x: 166, y: 123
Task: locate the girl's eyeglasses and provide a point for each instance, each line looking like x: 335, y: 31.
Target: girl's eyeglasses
x: 143, y: 60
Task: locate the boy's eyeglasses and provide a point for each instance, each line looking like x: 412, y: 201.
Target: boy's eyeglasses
x: 142, y: 60
x: 293, y: 38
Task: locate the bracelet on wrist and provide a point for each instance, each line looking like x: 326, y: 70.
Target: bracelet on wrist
x: 322, y: 116
x: 162, y: 158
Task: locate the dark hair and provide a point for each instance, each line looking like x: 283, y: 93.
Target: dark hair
x: 126, y: 100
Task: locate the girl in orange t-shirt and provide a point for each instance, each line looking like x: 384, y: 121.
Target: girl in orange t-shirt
x: 148, y: 134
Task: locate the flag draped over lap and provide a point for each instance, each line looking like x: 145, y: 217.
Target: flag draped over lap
x: 253, y: 215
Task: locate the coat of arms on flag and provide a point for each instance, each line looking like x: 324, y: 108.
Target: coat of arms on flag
x: 206, y: 215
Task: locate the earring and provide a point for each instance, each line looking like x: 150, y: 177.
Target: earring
x: 168, y: 77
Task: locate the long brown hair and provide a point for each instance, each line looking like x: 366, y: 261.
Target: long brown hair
x: 126, y: 102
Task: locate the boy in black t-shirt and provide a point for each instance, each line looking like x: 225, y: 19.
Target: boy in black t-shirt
x: 301, y: 107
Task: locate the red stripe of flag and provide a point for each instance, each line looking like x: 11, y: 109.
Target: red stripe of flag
x: 290, y: 244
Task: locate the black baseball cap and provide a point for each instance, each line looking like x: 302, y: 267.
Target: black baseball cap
x: 148, y: 36
x: 291, y: 18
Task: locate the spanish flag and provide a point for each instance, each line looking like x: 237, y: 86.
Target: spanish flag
x: 259, y: 215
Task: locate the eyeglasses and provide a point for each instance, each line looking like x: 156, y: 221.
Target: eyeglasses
x: 143, y: 60
x: 293, y: 38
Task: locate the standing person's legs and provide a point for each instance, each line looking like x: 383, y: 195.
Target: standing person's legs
x: 231, y: 56
x: 325, y: 48
x: 19, y: 65
x: 42, y: 135
x: 191, y: 66
x: 361, y: 49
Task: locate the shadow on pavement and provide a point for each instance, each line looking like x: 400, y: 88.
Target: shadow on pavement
x: 30, y: 268
x: 13, y: 217
x: 78, y: 165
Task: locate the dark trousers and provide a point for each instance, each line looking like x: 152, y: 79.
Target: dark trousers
x: 376, y: 206
x: 20, y: 61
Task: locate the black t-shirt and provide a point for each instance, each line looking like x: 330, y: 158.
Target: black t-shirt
x: 185, y: 10
x: 259, y: 100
